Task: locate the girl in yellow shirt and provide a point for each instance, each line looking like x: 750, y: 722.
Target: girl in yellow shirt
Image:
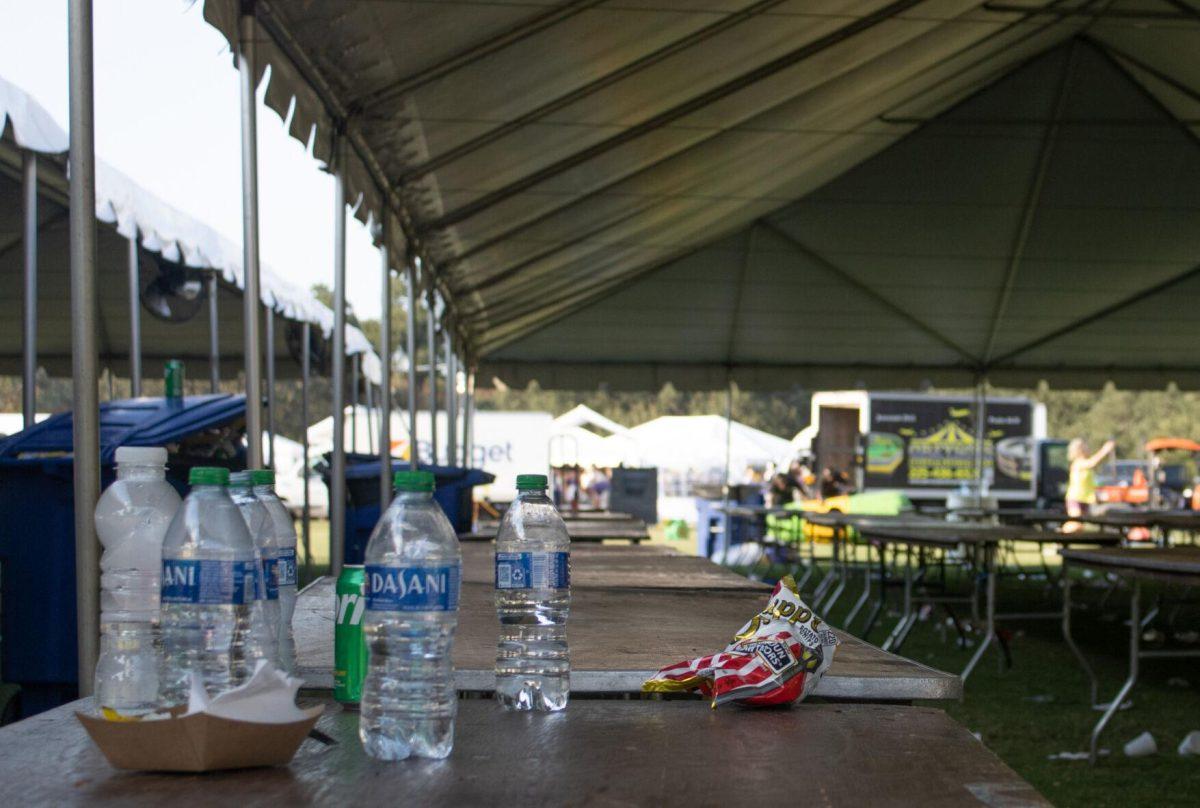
x: 1081, y: 487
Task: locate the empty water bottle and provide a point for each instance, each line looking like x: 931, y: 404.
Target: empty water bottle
x: 209, y: 574
x: 533, y: 599
x: 413, y: 572
x: 265, y: 618
x: 132, y: 517
x: 279, y: 563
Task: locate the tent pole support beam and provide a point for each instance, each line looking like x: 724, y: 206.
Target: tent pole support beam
x: 451, y: 400
x: 743, y: 270
x: 468, y: 419
x: 247, y: 64
x: 214, y: 336
x: 354, y: 360
x: 1032, y: 199
x: 385, y: 382
x: 337, y: 483
x: 410, y: 341
x: 29, y: 210
x: 305, y: 370
x: 85, y: 439
x: 135, y: 319
x: 673, y: 114
x: 270, y: 341
x: 431, y: 345
x: 846, y: 277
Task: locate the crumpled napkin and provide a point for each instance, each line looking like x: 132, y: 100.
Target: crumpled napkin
x: 268, y: 697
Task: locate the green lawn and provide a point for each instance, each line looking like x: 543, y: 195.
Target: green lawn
x: 1040, y: 705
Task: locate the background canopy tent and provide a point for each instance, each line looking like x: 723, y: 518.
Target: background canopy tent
x: 177, y: 255
x: 833, y: 193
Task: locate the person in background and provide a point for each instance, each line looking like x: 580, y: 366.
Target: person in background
x: 780, y: 492
x: 1081, y: 484
x: 802, y: 474
x: 598, y: 488
x: 834, y: 483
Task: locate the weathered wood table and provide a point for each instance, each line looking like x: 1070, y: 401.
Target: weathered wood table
x: 615, y: 527
x: 633, y: 610
x: 1171, y: 565
x: 593, y: 753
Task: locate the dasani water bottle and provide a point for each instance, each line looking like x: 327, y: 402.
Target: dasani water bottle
x: 413, y: 570
x: 279, y: 562
x: 264, y: 618
x: 533, y: 599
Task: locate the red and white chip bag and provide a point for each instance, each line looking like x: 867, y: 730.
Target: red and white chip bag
x: 777, y: 658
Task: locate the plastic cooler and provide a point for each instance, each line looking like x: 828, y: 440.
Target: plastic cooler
x: 37, y: 528
x: 453, y: 493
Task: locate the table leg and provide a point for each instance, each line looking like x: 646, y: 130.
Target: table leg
x: 1066, y: 630
x: 798, y: 532
x: 866, y: 593
x: 881, y: 600
x: 907, y: 614
x: 989, y: 610
x: 839, y: 564
x: 1135, y: 635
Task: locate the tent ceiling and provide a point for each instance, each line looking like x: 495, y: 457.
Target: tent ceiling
x: 549, y: 154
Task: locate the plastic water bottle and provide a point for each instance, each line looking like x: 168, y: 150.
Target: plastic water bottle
x: 279, y: 563
x: 132, y: 517
x: 533, y: 599
x: 209, y: 574
x: 264, y: 627
x: 413, y: 573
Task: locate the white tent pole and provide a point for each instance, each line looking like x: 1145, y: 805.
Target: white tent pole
x: 354, y: 402
x: 410, y: 339
x: 337, y: 493
x: 370, y: 391
x: 29, y: 204
x: 385, y: 384
x: 85, y: 438
x: 270, y: 387
x: 135, y: 319
x: 305, y: 366
x: 214, y: 344
x: 468, y: 419
x: 451, y: 401
x: 250, y: 301
x: 431, y: 343
x: 980, y: 434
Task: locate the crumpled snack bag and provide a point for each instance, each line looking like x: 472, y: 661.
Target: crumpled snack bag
x: 777, y: 658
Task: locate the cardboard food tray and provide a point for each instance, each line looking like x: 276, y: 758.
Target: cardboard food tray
x: 197, y: 743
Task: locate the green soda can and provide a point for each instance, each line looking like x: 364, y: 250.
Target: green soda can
x: 349, y: 644
x: 173, y: 379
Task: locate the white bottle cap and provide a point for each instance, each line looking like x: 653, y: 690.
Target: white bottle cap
x: 142, y: 455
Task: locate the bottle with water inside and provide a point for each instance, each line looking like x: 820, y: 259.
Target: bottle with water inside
x: 533, y: 599
x: 279, y: 563
x: 413, y: 569
x: 131, y: 517
x: 265, y: 616
x: 209, y: 574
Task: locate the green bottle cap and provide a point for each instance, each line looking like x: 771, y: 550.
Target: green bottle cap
x: 239, y: 479
x: 208, y: 475
x: 262, y: 476
x: 532, y: 482
x: 413, y: 481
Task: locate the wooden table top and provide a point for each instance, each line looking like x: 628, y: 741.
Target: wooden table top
x: 629, y: 529
x: 947, y: 534
x: 627, y: 621
x: 595, y: 752
x: 1181, y: 561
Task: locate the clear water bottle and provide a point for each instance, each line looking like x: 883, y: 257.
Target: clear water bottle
x: 533, y: 599
x: 209, y: 575
x: 265, y: 617
x: 413, y: 569
x: 280, y: 565
x: 132, y: 517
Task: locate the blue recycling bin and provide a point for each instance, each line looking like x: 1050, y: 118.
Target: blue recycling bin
x: 453, y: 493
x: 37, y: 523
x: 716, y: 532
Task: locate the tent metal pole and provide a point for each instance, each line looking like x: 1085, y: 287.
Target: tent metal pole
x: 410, y: 340
x: 135, y: 320
x: 29, y: 205
x: 370, y: 391
x: 451, y: 401
x: 726, y: 522
x: 305, y: 369
x: 270, y: 387
x: 247, y: 65
x: 385, y: 383
x: 354, y: 402
x: 431, y: 344
x: 337, y: 492
x: 85, y: 437
x: 468, y: 419
x: 214, y: 339
x: 980, y: 435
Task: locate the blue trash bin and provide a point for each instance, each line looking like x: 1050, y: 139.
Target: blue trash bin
x: 37, y: 523
x: 453, y: 493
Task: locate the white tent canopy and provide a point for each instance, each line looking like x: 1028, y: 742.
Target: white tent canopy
x: 584, y: 437
x: 694, y: 446
x: 161, y: 228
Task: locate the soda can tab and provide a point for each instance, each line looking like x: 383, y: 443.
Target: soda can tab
x: 349, y: 644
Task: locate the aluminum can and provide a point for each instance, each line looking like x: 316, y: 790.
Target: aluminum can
x: 349, y: 644
x: 173, y: 378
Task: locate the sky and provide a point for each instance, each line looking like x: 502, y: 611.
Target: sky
x: 167, y: 115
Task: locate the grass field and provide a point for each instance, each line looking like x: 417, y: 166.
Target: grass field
x: 1039, y: 706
